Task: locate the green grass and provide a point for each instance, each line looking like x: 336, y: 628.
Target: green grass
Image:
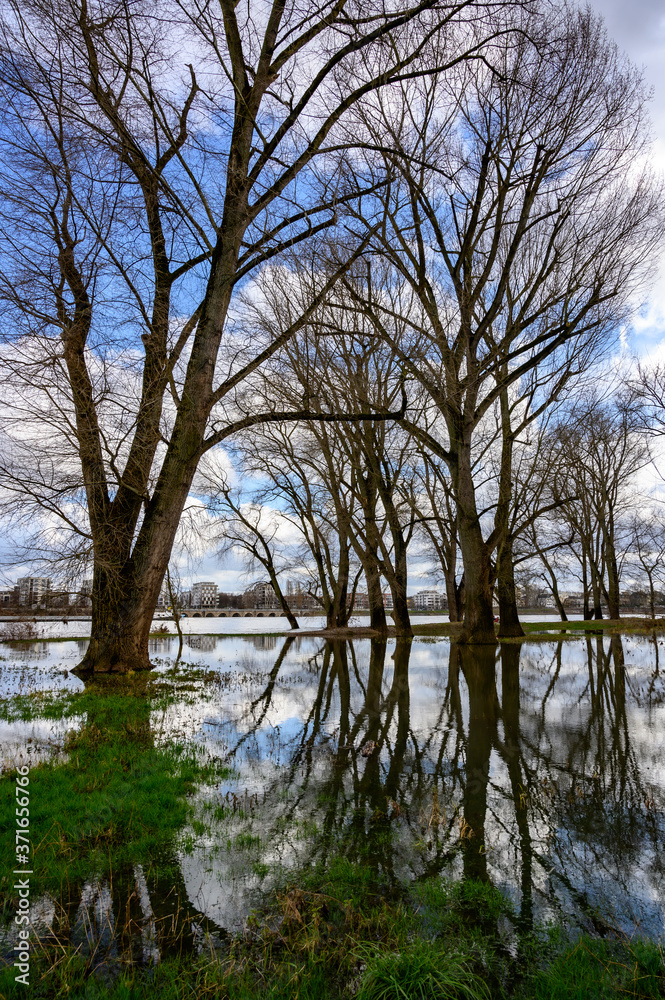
x: 420, y: 972
x: 603, y: 970
x: 344, y: 932
x: 117, y: 799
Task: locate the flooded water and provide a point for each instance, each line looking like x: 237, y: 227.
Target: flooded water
x: 540, y: 767
x: 74, y: 628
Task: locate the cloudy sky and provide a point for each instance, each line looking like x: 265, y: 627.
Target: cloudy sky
x: 638, y: 26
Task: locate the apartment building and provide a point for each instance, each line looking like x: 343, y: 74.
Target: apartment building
x: 428, y: 600
x: 33, y: 590
x: 204, y: 594
x: 261, y: 595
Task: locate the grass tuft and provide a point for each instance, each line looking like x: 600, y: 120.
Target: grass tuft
x: 421, y: 972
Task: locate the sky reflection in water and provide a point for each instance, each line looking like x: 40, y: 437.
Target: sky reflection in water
x: 540, y: 767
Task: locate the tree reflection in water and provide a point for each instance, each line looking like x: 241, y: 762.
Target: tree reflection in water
x: 128, y: 912
x: 537, y: 767
x: 533, y: 779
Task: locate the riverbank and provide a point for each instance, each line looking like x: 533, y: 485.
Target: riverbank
x: 342, y: 932
x: 550, y: 628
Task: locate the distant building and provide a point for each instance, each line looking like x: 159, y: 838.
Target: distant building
x: 84, y: 596
x: 387, y: 600
x: 361, y: 601
x: 204, y: 595
x: 428, y: 600
x: 298, y: 598
x: 34, y: 590
x: 260, y: 595
x: 8, y: 597
x: 544, y: 599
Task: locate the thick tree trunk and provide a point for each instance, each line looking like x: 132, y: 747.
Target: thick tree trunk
x: 478, y: 610
x: 585, y: 589
x: 122, y: 612
x: 613, y: 596
x: 509, y: 620
x: 341, y: 609
x: 476, y: 556
x: 377, y: 611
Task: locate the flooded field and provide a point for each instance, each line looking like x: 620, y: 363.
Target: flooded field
x: 538, y: 768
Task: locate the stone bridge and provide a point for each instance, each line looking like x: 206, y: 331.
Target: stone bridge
x: 232, y: 613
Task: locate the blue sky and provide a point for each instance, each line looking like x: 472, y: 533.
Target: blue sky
x: 638, y: 27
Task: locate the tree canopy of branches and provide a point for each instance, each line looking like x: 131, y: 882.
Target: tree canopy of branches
x: 514, y: 229
x: 152, y: 160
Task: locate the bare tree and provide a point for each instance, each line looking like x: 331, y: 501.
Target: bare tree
x: 153, y: 159
x: 246, y: 527
x: 515, y: 228
x: 648, y: 546
x: 599, y: 452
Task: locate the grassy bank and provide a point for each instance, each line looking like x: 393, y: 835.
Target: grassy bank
x: 342, y: 933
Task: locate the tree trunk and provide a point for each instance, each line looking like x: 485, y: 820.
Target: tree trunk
x: 478, y: 610
x: 509, y: 620
x: 377, y: 611
x: 398, y: 588
x: 557, y: 600
x: 453, y: 594
x: 341, y: 609
x: 613, y: 596
x: 585, y: 589
x: 652, y: 596
x: 121, y: 621
x: 279, y: 594
x: 476, y: 557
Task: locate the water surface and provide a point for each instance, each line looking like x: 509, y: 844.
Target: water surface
x: 540, y: 767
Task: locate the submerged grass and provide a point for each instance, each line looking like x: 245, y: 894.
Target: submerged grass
x: 118, y: 798
x: 344, y: 933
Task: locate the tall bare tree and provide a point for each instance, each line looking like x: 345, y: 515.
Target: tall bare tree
x: 516, y: 228
x: 600, y: 451
x: 153, y: 159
